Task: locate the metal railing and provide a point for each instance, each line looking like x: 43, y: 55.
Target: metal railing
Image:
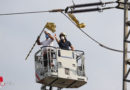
x: 47, y: 56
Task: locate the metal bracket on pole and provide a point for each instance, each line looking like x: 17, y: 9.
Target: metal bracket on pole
x: 127, y: 80
x: 127, y: 73
x: 121, y: 5
x: 128, y: 23
x: 128, y: 61
x: 128, y: 35
x: 127, y: 41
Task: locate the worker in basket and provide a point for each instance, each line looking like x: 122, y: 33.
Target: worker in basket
x: 63, y: 42
x: 48, y: 42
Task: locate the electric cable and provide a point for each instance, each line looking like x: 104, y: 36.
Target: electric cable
x: 91, y: 4
x: 33, y: 12
x: 90, y: 10
x: 100, y: 44
x: 23, y: 13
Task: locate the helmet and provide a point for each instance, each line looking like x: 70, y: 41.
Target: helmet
x: 62, y: 34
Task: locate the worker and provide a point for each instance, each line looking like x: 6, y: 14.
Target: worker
x: 63, y: 42
x: 48, y: 42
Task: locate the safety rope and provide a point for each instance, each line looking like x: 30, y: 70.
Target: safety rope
x: 100, y: 44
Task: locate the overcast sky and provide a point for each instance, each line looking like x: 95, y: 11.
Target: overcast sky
x: 19, y: 32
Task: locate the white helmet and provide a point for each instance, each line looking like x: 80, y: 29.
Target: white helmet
x: 62, y: 34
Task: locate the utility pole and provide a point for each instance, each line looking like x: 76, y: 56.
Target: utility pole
x: 125, y: 46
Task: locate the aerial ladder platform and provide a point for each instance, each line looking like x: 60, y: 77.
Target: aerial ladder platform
x: 55, y: 67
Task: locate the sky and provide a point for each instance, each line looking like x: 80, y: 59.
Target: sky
x: 19, y: 32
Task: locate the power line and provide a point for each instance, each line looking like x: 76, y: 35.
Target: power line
x: 33, y: 12
x: 17, y: 13
x: 66, y: 10
x: 90, y: 10
x: 100, y: 44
